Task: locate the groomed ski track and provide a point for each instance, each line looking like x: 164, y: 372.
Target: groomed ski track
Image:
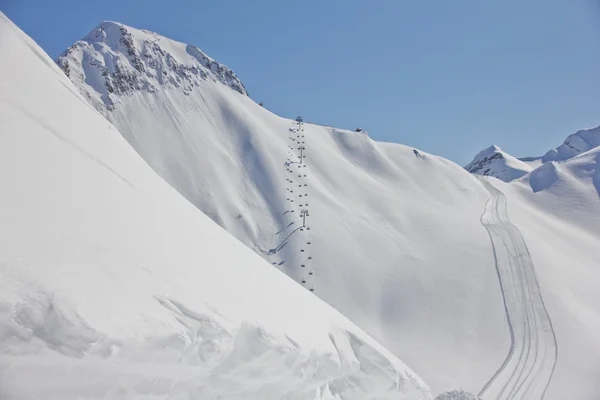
x: 527, y: 370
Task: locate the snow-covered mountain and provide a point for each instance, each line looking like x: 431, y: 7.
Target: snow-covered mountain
x: 407, y: 245
x: 115, y: 60
x: 499, y: 164
x: 112, y: 285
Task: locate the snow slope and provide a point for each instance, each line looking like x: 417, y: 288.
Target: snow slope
x: 557, y: 206
x: 112, y: 285
x: 561, y: 228
x: 383, y: 246
x: 531, y: 361
x: 396, y: 242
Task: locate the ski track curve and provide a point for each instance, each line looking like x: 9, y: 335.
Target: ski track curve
x: 527, y: 371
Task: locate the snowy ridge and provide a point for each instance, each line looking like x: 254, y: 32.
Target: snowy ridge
x: 492, y: 161
x: 114, y: 60
x: 112, y: 285
x: 495, y: 162
x: 575, y: 144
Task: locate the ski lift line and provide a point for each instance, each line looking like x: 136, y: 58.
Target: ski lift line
x: 299, y: 143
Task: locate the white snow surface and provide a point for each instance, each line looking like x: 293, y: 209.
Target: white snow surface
x: 400, y: 239
x: 113, y: 286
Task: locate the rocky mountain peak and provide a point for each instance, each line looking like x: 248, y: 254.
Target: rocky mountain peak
x: 115, y: 60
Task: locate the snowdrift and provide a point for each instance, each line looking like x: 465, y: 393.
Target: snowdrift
x: 112, y: 285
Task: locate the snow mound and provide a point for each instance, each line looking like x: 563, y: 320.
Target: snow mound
x: 574, y: 144
x: 114, y: 60
x: 492, y: 161
x: 112, y: 285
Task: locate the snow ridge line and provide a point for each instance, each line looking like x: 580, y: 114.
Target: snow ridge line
x: 527, y: 376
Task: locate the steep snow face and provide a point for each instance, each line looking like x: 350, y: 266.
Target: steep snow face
x: 495, y: 162
x: 115, y: 60
x: 396, y: 240
x: 112, y: 285
x: 574, y: 144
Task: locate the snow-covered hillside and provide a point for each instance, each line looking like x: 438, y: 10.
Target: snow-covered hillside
x: 396, y: 242
x: 112, y: 285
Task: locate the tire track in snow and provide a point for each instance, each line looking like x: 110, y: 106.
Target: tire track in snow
x: 527, y: 370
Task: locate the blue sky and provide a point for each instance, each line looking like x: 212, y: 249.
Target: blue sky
x: 448, y: 77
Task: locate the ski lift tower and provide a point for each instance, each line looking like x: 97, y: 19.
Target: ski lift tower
x: 301, y: 148
x: 304, y: 213
x: 299, y: 120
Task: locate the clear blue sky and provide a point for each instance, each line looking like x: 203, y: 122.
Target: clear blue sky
x: 449, y: 77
